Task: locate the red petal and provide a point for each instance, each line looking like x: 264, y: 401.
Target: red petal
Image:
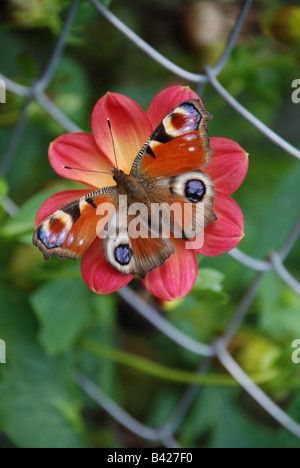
x: 167, y: 100
x: 56, y: 202
x: 98, y: 275
x: 228, y: 166
x: 226, y: 233
x: 176, y: 277
x: 79, y: 150
x: 130, y: 128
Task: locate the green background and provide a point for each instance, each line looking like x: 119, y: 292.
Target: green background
x: 54, y: 326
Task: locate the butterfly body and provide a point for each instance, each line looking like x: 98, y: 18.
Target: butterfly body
x: 137, y: 189
x: 165, y: 179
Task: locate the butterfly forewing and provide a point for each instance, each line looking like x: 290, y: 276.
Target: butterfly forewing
x: 70, y: 231
x: 179, y: 144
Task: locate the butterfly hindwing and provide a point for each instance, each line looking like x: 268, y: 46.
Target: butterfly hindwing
x: 138, y: 254
x: 190, y: 204
x: 179, y: 144
x: 70, y: 231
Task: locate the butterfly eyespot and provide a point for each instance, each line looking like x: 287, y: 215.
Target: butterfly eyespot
x: 123, y: 254
x: 177, y: 120
x: 52, y: 238
x: 195, y: 190
x: 193, y: 113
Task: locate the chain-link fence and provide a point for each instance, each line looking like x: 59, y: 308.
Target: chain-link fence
x: 217, y: 349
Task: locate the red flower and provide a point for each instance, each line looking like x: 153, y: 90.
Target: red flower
x: 132, y: 127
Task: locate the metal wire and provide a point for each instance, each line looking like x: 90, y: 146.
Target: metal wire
x: 275, y: 262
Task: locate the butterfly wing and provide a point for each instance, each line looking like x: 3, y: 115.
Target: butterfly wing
x: 184, y: 208
x: 190, y: 202
x: 171, y: 159
x: 70, y: 231
x: 179, y: 144
x: 134, y: 254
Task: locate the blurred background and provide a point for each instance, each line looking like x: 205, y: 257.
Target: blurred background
x: 53, y: 325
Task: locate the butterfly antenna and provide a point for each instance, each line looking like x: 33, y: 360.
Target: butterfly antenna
x: 84, y: 170
x: 113, y: 142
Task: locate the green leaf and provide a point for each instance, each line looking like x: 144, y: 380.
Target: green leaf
x: 70, y: 92
x: 279, y: 307
x: 63, y: 309
x: 209, y: 287
x: 236, y: 429
x: 3, y: 186
x: 285, y: 439
x: 209, y: 279
x: 23, y: 223
x: 3, y: 193
x: 216, y: 414
x: 106, y: 2
x: 161, y: 406
x: 37, y: 404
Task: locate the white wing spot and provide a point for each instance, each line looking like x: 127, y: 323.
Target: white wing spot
x: 70, y: 240
x: 190, y: 137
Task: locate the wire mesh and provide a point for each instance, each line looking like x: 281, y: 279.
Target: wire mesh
x: 165, y: 434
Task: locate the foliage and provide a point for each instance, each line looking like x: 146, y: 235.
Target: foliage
x: 53, y: 325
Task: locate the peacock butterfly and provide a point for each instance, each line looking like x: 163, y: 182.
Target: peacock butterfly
x: 166, y: 171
